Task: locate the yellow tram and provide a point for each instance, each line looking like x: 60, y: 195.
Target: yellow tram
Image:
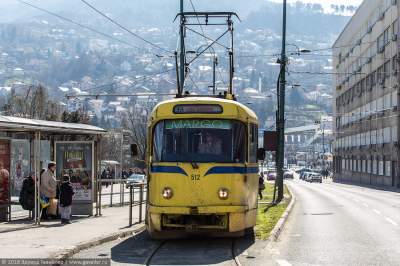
x: 202, y: 168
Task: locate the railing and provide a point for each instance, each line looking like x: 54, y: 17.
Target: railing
x: 116, y: 192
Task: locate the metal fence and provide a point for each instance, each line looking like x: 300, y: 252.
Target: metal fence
x: 116, y: 192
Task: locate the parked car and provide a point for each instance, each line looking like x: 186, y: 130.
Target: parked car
x: 135, y: 179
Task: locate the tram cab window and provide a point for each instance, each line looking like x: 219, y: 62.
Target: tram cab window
x: 199, y: 140
x: 253, y: 143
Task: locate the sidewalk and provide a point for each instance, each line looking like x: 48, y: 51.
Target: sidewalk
x: 52, y: 238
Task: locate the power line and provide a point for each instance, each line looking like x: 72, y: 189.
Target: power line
x: 130, y: 86
x: 206, y: 40
x: 79, y: 24
x: 126, y: 29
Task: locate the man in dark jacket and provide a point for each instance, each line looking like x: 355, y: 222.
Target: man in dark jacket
x: 27, y: 194
x: 66, y: 193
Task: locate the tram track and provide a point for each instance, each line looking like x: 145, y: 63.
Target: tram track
x: 159, y: 247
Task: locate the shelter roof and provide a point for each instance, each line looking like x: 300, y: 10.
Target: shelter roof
x: 14, y: 124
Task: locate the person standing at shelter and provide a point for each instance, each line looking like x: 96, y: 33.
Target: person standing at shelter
x: 4, y: 181
x: 48, y: 185
x: 66, y: 193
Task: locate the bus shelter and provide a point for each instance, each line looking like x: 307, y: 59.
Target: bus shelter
x: 28, y: 145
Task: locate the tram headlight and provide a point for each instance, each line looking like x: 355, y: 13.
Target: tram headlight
x: 167, y: 193
x: 223, y: 193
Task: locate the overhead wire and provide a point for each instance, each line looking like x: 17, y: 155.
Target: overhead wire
x: 206, y: 38
x: 125, y: 28
x: 79, y: 24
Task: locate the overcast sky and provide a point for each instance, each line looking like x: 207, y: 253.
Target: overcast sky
x: 326, y: 2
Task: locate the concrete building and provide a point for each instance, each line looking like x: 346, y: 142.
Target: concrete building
x: 365, y: 57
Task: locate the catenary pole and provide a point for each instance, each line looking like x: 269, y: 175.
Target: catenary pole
x: 182, y: 52
x: 281, y: 110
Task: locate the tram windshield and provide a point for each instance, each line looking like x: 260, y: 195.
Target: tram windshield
x: 199, y: 140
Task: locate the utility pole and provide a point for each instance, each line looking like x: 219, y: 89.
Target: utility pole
x: 215, y: 63
x: 323, y: 147
x: 182, y: 52
x: 280, y: 123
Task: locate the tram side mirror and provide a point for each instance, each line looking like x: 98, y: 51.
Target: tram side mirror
x: 134, y: 150
x: 261, y: 154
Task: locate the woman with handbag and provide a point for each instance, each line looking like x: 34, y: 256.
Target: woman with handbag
x: 48, y: 188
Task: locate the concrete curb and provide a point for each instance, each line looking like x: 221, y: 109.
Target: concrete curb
x: 67, y: 253
x: 282, y: 221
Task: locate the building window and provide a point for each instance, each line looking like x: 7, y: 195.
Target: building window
x: 394, y: 98
x: 374, y: 167
x: 380, y: 167
x: 388, y: 168
x: 386, y: 69
x: 394, y: 134
x: 369, y: 166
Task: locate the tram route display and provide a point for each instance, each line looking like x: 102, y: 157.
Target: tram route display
x: 76, y: 160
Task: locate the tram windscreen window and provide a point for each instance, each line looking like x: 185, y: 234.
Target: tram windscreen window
x: 189, y: 140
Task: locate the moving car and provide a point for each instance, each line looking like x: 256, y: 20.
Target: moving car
x: 288, y: 174
x: 314, y: 177
x: 271, y: 175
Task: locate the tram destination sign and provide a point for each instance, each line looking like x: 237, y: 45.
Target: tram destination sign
x: 198, y: 123
x: 198, y: 109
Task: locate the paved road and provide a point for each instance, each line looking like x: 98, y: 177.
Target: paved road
x: 331, y: 224
x: 334, y: 224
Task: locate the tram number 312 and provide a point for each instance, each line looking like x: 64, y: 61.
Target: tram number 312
x: 195, y: 177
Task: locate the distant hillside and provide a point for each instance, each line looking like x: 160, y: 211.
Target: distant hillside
x: 301, y: 20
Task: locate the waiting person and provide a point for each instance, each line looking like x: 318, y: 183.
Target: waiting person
x: 4, y: 181
x: 261, y: 185
x: 48, y: 186
x: 66, y: 193
x: 211, y: 145
x: 27, y: 194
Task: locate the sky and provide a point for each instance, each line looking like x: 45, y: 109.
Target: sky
x: 326, y: 2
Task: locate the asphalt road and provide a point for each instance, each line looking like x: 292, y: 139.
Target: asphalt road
x: 331, y: 224
x: 335, y: 224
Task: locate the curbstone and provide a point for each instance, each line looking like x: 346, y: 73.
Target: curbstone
x: 282, y: 221
x: 69, y: 252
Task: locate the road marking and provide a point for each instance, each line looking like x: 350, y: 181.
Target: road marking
x: 365, y: 204
x: 356, y: 200
x: 391, y: 221
x: 283, y: 263
x: 377, y: 212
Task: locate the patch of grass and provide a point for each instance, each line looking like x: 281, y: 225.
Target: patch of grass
x: 269, y: 214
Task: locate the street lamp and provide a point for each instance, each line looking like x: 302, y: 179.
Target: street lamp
x: 280, y: 119
x: 298, y: 50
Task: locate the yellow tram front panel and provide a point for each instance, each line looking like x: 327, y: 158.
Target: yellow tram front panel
x: 200, y: 176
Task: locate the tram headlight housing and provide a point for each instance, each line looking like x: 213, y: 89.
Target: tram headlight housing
x: 223, y: 193
x: 167, y: 193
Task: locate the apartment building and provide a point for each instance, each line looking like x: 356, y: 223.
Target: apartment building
x: 365, y: 57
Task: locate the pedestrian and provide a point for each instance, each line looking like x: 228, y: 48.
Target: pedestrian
x: 27, y: 194
x: 66, y: 193
x: 4, y: 184
x: 48, y: 187
x: 261, y: 185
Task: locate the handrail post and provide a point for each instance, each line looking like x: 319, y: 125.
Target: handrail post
x: 140, y: 202
x: 111, y: 194
x: 130, y: 205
